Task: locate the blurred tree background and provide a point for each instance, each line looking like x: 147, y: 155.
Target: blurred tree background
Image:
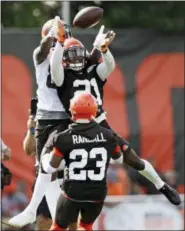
x: 166, y: 17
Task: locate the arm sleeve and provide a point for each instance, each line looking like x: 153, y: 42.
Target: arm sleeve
x: 57, y: 70
x: 107, y: 66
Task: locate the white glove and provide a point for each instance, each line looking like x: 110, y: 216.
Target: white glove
x: 103, y: 40
x: 53, y: 32
x: 99, y: 38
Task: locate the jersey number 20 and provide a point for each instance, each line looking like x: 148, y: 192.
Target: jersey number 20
x: 84, y: 174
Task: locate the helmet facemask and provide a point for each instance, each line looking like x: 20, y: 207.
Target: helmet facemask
x: 74, y: 58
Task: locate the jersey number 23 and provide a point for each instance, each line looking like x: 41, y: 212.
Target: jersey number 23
x: 85, y: 156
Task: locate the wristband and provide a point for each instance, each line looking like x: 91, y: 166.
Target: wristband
x: 32, y: 130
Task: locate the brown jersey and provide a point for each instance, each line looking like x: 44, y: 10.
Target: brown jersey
x: 76, y: 82
x: 87, y: 149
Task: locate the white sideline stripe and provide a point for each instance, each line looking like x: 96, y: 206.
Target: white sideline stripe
x: 138, y: 198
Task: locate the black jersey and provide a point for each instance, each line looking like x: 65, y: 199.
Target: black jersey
x: 75, y: 82
x: 87, y: 149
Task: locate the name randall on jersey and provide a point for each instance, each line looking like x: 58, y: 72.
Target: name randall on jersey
x: 77, y: 139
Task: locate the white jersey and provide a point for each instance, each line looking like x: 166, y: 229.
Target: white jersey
x: 47, y: 95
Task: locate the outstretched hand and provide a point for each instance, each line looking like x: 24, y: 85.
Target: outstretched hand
x: 62, y: 30
x: 103, y: 40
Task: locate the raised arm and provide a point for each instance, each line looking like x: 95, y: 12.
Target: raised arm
x: 102, y: 41
x: 95, y: 56
x: 107, y: 66
x: 57, y: 70
x: 56, y: 67
x: 41, y: 52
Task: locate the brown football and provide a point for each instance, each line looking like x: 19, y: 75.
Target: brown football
x: 88, y: 17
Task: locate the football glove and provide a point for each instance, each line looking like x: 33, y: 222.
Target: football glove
x: 103, y: 40
x: 53, y: 30
x: 60, y: 30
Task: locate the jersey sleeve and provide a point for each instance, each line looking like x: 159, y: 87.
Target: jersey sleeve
x: 93, y: 71
x: 100, y: 81
x: 116, y: 154
x: 58, y: 146
x: 57, y: 70
x: 106, y: 66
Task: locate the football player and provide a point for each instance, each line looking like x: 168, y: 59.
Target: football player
x: 86, y: 148
x: 43, y: 221
x: 50, y: 116
x: 29, y: 145
x: 76, y: 75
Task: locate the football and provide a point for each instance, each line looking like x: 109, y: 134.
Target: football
x: 88, y: 17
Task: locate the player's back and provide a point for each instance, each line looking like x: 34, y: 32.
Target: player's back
x: 87, y: 152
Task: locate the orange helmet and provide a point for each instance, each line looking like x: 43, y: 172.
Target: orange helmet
x: 75, y: 54
x: 83, y: 106
x: 71, y: 42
